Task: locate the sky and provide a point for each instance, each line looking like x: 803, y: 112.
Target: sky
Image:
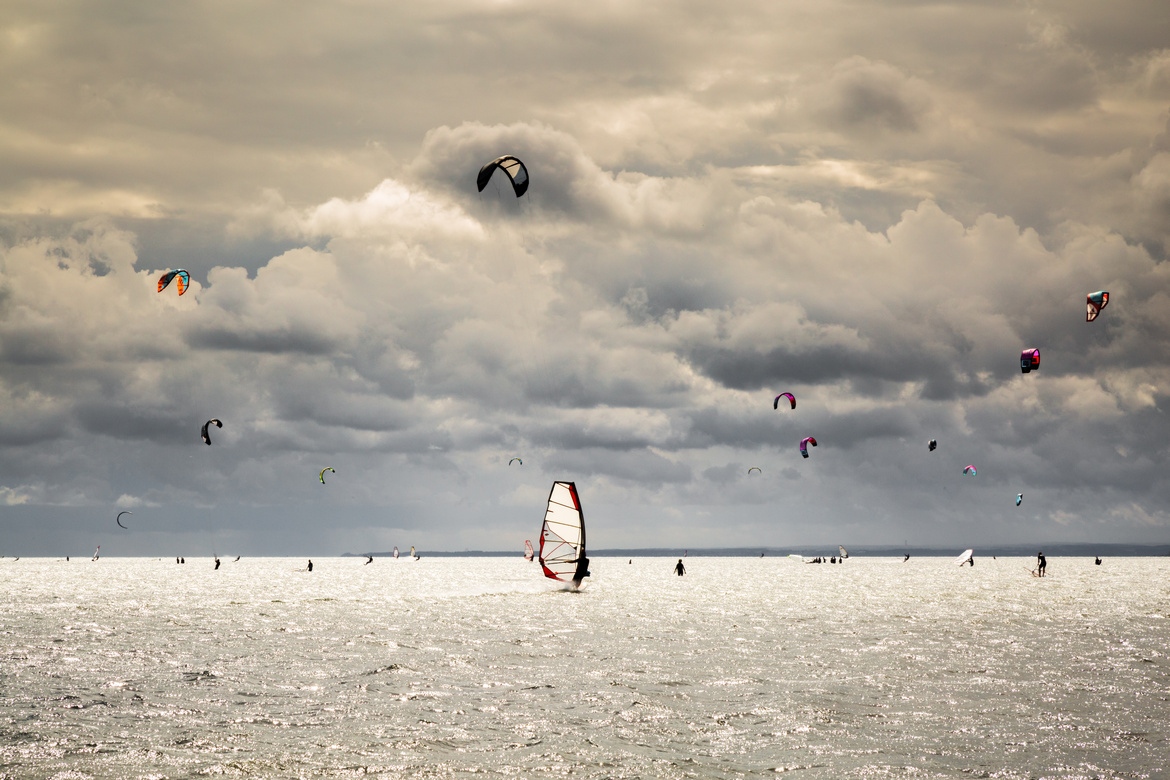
x: 873, y: 205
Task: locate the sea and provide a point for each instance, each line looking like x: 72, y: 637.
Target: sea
x: 483, y: 668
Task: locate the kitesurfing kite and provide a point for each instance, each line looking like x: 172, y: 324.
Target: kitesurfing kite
x: 327, y: 468
x: 804, y: 445
x: 203, y: 433
x: 516, y: 171
x: 1019, y: 498
x: 931, y: 445
x: 791, y: 399
x: 755, y: 468
x: 562, y: 537
x: 183, y: 283
x: 118, y: 519
x: 515, y: 460
x: 1094, y: 303
x: 529, y: 554
x: 970, y: 470
x: 1030, y: 360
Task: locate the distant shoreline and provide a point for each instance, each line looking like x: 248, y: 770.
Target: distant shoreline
x: 1066, y: 550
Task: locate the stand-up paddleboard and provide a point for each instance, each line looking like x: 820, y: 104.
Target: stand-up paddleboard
x: 562, y: 537
x: 966, y: 556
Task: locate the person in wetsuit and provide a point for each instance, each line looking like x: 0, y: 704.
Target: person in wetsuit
x: 1096, y: 562
x: 582, y: 571
x: 217, y: 563
x: 679, y: 569
x: 310, y: 564
x: 1041, y: 564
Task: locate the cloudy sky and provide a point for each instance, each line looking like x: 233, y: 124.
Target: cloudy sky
x: 872, y: 204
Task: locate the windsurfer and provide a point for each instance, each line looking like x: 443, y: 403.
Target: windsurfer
x: 582, y: 571
x: 679, y: 569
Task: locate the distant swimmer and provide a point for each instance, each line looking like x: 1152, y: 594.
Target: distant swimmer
x: 217, y: 563
x: 369, y: 560
x: 1041, y: 564
x: 310, y: 564
x: 1097, y: 561
x: 679, y: 569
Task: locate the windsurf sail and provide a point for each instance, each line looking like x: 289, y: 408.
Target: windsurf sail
x: 797, y: 558
x: 844, y: 552
x: 413, y: 555
x: 528, y: 552
x: 966, y: 556
x: 96, y: 553
x: 395, y: 551
x: 562, y: 538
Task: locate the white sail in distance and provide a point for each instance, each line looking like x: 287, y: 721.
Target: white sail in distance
x: 562, y: 538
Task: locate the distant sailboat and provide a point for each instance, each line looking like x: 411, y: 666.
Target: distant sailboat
x: 529, y: 554
x: 96, y: 553
x: 562, y: 537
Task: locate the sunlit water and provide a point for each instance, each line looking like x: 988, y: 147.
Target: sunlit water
x: 453, y: 667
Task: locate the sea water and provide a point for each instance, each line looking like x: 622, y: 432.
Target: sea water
x: 480, y: 667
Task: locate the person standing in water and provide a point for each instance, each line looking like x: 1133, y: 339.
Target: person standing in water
x: 1041, y: 564
x: 310, y: 564
x: 679, y: 569
x: 217, y: 562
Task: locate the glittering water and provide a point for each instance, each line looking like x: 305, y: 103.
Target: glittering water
x: 136, y: 668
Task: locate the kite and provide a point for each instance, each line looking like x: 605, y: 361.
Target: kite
x: 1019, y: 498
x: 203, y: 433
x: 970, y: 470
x: 804, y: 445
x: 517, y: 460
x: 931, y: 445
x: 327, y: 468
x: 1030, y: 360
x: 755, y: 468
x: 791, y: 399
x: 118, y: 519
x: 1094, y: 303
x: 183, y: 283
x: 516, y: 171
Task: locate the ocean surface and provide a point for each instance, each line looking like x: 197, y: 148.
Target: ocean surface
x: 480, y: 667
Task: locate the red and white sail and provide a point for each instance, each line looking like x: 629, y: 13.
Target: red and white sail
x: 562, y: 538
x: 528, y: 552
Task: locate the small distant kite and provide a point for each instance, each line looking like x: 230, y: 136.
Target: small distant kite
x: 327, y: 468
x: 791, y: 399
x: 1019, y: 498
x: 1094, y: 303
x: 203, y: 433
x: 932, y: 445
x: 515, y: 460
x: 118, y: 519
x: 1030, y: 360
x: 517, y: 173
x: 755, y: 468
x: 183, y: 283
x: 970, y: 470
x: 804, y: 445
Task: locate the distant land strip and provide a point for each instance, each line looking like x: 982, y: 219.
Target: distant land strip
x: 1066, y: 550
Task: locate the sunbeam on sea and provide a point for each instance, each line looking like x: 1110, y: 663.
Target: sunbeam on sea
x: 453, y: 667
